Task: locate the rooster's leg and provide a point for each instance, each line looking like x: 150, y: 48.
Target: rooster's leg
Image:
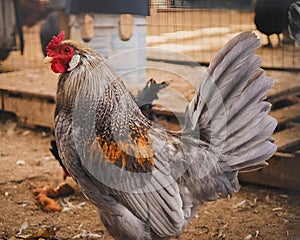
x: 269, y: 44
x: 279, y: 40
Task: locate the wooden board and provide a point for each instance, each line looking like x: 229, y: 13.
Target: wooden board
x: 286, y: 114
x: 30, y: 94
x: 286, y: 83
x: 287, y: 139
x: 40, y: 82
x: 283, y: 172
x: 31, y: 110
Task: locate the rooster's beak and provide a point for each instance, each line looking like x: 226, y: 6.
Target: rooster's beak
x: 48, y: 59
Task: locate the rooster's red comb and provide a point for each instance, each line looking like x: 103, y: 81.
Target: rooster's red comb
x: 54, y: 44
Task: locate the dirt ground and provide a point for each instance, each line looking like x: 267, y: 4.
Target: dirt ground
x: 256, y: 212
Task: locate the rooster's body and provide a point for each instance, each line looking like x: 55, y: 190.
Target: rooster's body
x: 146, y: 181
x: 144, y: 99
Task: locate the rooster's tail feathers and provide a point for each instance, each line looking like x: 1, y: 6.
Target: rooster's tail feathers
x: 229, y: 109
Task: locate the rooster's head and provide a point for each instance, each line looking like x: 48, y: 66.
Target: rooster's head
x: 64, y: 56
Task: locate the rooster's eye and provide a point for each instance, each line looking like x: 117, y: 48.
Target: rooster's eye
x: 67, y: 50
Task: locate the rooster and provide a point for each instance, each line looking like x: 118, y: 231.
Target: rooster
x: 145, y: 181
x: 271, y: 17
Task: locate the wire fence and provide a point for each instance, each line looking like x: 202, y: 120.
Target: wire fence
x: 196, y: 28
x: 199, y: 28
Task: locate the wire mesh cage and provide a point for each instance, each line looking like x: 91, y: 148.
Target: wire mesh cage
x: 195, y: 28
x: 198, y: 28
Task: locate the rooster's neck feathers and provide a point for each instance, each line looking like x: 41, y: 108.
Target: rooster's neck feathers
x: 90, y: 79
